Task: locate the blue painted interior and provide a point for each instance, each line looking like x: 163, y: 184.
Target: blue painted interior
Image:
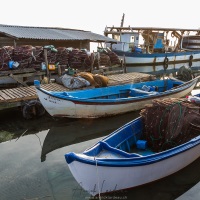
x: 120, y: 142
x: 119, y: 91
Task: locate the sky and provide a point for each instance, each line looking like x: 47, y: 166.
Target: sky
x: 92, y: 15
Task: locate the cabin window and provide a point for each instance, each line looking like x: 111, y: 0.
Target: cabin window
x: 132, y: 39
x: 116, y: 37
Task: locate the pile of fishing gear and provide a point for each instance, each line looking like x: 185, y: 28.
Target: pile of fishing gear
x: 79, y: 59
x: 38, y: 55
x: 184, y: 74
x: 6, y: 54
x: 107, y: 57
x: 170, y: 122
x: 23, y: 55
x: 62, y: 55
x: 26, y: 56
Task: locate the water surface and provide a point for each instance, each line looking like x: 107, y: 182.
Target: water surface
x: 33, y: 165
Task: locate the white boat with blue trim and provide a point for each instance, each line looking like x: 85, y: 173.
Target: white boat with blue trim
x: 139, y: 152
x: 111, y: 100
x: 143, y: 49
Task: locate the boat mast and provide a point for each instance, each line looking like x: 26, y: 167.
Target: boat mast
x: 122, y: 21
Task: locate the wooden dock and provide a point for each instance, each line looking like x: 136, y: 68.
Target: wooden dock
x: 15, y: 97
x: 18, y: 97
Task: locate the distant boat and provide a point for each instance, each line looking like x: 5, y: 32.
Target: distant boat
x: 145, y: 48
x: 190, y: 42
x: 126, y: 158
x: 112, y: 100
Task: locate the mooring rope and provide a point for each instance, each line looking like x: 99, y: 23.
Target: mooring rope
x: 98, y: 179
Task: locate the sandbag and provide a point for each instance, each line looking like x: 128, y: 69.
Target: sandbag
x: 101, y: 80
x: 72, y: 82
x: 89, y: 77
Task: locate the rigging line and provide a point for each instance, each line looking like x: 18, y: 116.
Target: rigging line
x: 21, y: 135
x: 97, y: 178
x: 39, y: 140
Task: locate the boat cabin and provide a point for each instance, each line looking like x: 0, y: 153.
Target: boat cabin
x: 149, y: 40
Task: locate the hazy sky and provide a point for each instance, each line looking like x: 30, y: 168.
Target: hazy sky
x: 93, y: 15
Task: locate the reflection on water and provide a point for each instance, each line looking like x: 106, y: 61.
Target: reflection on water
x: 33, y: 166
x: 82, y: 130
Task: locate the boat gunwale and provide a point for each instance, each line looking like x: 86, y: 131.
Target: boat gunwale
x: 153, y: 55
x: 130, y: 161
x: 76, y: 100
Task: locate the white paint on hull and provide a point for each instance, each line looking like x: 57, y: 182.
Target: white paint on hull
x: 154, y: 59
x: 117, y: 178
x: 65, y: 108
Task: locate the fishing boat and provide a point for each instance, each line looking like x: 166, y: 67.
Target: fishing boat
x: 110, y: 100
x: 157, y: 144
x: 153, y: 49
x: 190, y: 42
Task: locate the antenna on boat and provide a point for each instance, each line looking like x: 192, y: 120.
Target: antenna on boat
x: 122, y: 21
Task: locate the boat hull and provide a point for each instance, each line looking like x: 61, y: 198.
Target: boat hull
x: 58, y: 107
x: 159, y: 62
x: 102, y: 179
x: 159, y: 69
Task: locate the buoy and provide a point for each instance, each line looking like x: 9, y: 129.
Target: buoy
x: 190, y: 60
x: 165, y: 64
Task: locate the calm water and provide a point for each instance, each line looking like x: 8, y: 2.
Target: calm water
x: 32, y: 164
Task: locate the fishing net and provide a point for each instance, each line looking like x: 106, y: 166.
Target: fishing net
x: 170, y: 122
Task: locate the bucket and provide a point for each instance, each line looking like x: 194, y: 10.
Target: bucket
x: 43, y: 66
x: 10, y: 64
x: 141, y: 144
x: 37, y: 83
x: 52, y: 67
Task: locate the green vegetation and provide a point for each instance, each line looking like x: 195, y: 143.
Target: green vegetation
x: 5, y: 136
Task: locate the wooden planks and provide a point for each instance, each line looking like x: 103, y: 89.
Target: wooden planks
x: 129, y: 77
x: 54, y: 87
x: 26, y: 93
x: 16, y: 96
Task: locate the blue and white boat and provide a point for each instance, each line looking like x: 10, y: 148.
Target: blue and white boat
x: 125, y: 159
x: 111, y: 100
x: 155, y: 50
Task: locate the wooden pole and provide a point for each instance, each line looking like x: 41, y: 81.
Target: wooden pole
x: 124, y: 64
x: 59, y: 70
x: 46, y: 62
x: 98, y: 61
x: 15, y: 43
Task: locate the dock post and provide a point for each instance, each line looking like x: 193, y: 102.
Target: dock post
x: 46, y: 62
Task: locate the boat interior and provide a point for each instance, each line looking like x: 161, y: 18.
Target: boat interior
x: 124, y: 143
x: 122, y: 91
